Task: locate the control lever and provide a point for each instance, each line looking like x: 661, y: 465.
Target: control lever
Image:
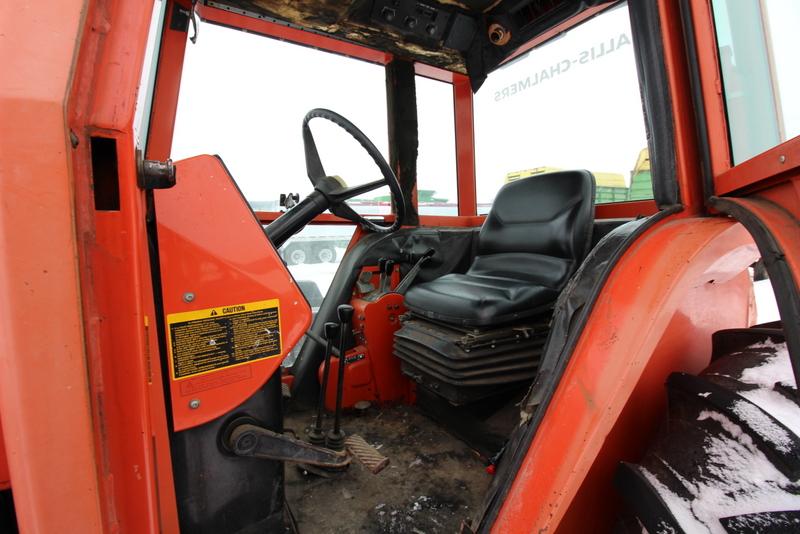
x: 335, y: 438
x: 408, y: 279
x: 382, y: 272
x: 316, y: 436
x: 386, y: 277
x: 316, y: 338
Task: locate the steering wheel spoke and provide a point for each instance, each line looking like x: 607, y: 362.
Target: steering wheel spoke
x: 346, y: 193
x: 346, y: 212
x: 329, y: 193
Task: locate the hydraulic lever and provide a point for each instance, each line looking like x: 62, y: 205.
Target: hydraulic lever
x: 335, y: 438
x: 405, y: 283
x: 386, y: 277
x: 381, y: 273
x: 316, y: 436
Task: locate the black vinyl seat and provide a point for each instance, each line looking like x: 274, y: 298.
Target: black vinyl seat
x: 535, y: 236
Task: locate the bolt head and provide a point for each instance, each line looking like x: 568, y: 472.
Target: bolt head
x: 194, y: 404
x: 188, y: 296
x: 782, y: 159
x: 246, y: 443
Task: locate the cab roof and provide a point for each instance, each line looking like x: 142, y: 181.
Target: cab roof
x: 470, y: 37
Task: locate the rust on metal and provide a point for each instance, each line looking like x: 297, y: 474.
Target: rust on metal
x: 366, y: 453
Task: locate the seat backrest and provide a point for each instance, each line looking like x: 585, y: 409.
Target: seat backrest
x: 549, y: 214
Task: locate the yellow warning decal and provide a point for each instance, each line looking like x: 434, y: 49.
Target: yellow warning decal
x: 203, y: 341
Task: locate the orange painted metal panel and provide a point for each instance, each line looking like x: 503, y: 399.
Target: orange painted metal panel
x: 167, y: 87
x: 130, y: 427
x: 45, y: 403
x: 372, y: 372
x: 687, y: 156
x: 654, y: 315
x: 465, y: 146
x: 212, y: 247
x: 266, y: 217
x: 617, y: 210
x: 685, y: 346
x: 435, y: 73
x: 711, y: 86
x: 5, y: 477
x: 774, y: 165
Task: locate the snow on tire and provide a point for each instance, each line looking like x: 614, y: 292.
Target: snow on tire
x: 728, y: 459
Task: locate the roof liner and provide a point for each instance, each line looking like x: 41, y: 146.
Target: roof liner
x: 466, y: 36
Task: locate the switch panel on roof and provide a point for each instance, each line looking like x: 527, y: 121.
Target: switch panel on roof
x: 424, y: 21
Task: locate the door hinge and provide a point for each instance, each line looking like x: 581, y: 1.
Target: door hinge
x: 156, y: 174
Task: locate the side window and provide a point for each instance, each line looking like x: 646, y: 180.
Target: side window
x: 437, y: 189
x: 758, y: 43
x: 570, y: 103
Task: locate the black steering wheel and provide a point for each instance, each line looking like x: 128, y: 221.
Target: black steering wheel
x: 330, y: 192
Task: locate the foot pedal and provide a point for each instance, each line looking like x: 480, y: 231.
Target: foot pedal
x: 366, y: 453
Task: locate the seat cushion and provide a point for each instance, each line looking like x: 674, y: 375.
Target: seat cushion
x: 468, y: 300
x: 498, y: 288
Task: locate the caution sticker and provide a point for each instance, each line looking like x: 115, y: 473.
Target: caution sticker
x: 203, y: 341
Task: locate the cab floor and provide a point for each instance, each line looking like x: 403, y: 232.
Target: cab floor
x: 432, y: 483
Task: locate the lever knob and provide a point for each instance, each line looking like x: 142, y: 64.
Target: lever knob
x: 345, y: 313
x: 331, y: 330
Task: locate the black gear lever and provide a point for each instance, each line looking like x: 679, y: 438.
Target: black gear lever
x: 335, y: 438
x: 316, y: 436
x: 381, y: 273
x: 386, y: 276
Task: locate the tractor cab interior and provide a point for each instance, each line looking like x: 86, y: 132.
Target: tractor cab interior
x: 428, y: 317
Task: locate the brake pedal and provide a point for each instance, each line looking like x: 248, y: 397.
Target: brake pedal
x: 366, y: 453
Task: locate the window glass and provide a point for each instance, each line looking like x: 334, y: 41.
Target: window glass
x: 144, y: 98
x: 758, y: 43
x: 243, y: 96
x: 437, y: 187
x: 571, y: 103
x: 313, y: 255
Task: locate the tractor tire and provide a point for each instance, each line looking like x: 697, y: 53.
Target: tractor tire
x: 325, y: 254
x: 295, y: 255
x: 728, y: 459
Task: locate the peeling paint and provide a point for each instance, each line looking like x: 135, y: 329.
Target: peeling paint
x: 335, y: 18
